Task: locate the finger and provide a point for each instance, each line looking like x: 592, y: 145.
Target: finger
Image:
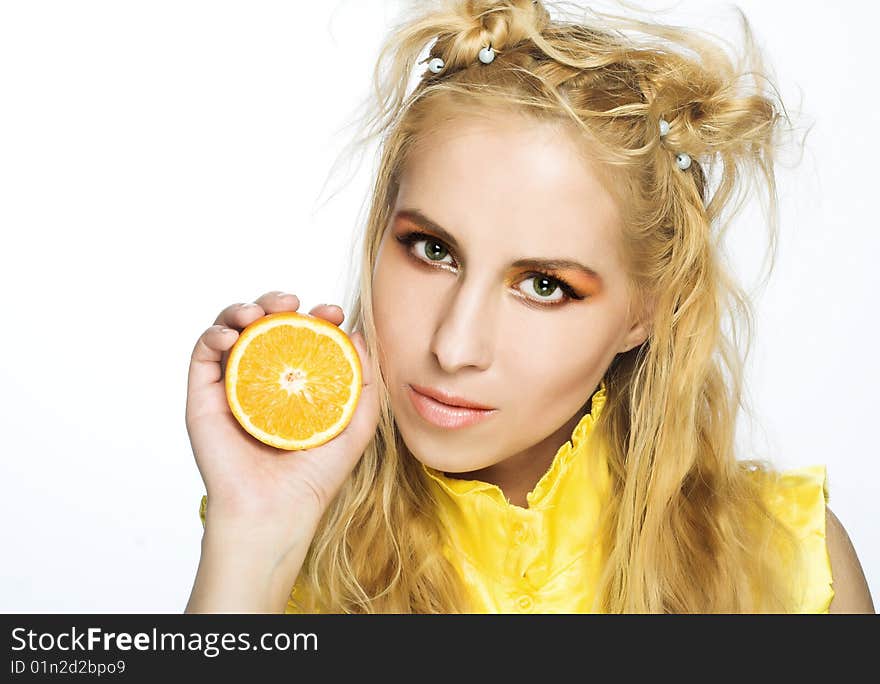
x: 360, y: 344
x: 362, y: 426
x: 204, y: 367
x: 275, y: 301
x: 239, y: 316
x: 329, y: 312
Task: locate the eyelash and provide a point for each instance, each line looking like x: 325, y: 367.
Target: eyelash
x: 412, y: 237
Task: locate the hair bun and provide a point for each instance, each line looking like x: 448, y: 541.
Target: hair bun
x: 472, y: 26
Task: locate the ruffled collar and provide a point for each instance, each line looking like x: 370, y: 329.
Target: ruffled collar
x: 498, y: 538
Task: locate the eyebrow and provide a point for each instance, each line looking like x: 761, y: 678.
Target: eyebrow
x: 417, y: 217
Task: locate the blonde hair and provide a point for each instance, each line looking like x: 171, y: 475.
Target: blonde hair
x: 687, y: 528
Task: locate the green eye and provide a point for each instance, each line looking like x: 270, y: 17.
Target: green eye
x: 544, y: 286
x: 435, y: 250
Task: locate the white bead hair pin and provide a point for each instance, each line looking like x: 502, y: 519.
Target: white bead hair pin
x: 487, y: 55
x: 683, y: 159
x: 436, y: 65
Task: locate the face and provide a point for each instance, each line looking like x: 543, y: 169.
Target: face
x: 474, y: 312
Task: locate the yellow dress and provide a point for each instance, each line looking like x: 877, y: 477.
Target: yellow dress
x: 546, y: 558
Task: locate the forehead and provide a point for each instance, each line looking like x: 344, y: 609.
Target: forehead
x: 513, y: 179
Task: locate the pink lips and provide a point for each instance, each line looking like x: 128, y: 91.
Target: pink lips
x: 444, y: 415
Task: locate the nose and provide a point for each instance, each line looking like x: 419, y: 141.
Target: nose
x: 465, y: 332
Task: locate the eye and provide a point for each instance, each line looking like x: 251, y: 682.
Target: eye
x: 543, y: 286
x: 434, y: 250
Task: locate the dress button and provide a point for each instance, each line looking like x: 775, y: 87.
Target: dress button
x: 524, y: 603
x: 520, y: 534
x: 536, y: 573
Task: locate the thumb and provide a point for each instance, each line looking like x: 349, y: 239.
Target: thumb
x: 366, y: 415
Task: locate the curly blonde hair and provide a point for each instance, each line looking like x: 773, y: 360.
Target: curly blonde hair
x: 686, y: 525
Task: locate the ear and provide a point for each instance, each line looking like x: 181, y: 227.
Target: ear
x: 638, y: 332
x: 636, y: 335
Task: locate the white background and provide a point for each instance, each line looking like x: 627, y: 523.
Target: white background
x: 161, y: 160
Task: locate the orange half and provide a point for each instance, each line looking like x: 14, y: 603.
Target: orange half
x: 293, y: 380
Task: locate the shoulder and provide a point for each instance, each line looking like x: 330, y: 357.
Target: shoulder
x: 827, y: 571
x: 851, y: 593
x: 796, y: 500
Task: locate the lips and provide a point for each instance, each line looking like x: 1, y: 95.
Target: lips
x: 440, y: 414
x: 449, y: 399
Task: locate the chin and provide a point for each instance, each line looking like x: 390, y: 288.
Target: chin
x: 440, y: 460
x: 432, y: 445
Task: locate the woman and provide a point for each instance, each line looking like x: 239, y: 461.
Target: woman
x: 544, y: 245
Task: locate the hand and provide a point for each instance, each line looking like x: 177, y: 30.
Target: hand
x: 250, y: 483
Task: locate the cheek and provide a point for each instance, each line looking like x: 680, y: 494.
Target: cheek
x: 402, y: 300
x: 552, y: 373
x: 555, y: 363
